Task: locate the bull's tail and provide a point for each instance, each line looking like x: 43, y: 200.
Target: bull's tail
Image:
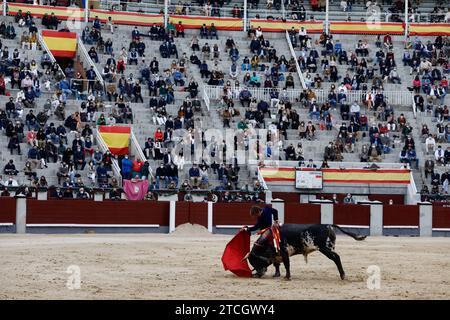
x: 351, y: 234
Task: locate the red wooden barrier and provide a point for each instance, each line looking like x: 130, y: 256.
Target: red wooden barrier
x: 349, y: 214
x: 287, y: 196
x: 233, y: 213
x: 384, y: 198
x: 92, y: 212
x: 191, y: 212
x: 441, y: 216
x: 400, y: 215
x: 181, y: 213
x: 198, y: 213
x: 301, y: 213
x: 7, y: 210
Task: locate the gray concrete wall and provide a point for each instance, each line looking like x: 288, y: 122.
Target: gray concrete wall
x: 426, y: 219
x: 278, y: 204
x: 21, y: 215
x: 8, y: 229
x: 397, y: 232
x: 326, y: 213
x: 228, y: 231
x: 376, y: 219
x: 172, y: 216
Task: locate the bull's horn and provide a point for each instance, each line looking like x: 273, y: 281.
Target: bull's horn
x: 246, y: 256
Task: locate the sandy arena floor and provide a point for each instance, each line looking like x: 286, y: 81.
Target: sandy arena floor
x: 186, y: 265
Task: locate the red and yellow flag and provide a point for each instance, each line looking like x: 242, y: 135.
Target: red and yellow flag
x: 429, y: 29
x: 117, y: 138
x: 62, y: 13
x: 281, y: 26
x: 341, y: 176
x: 196, y: 22
x: 367, y: 28
x: 61, y: 44
x: 129, y: 18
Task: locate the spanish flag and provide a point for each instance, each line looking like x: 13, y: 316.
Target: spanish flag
x: 429, y: 29
x: 341, y: 176
x: 363, y: 176
x: 117, y: 138
x: 129, y: 18
x: 61, y: 44
x: 281, y: 26
x: 194, y: 22
x: 367, y: 28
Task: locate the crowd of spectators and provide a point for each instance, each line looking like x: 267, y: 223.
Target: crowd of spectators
x: 71, y: 142
x: 49, y: 133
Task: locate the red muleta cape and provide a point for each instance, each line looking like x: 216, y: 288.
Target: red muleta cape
x: 234, y: 252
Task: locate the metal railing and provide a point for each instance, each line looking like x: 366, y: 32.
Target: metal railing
x: 50, y: 54
x: 206, y: 98
x: 85, y: 85
x: 104, y: 148
x: 412, y: 195
x: 414, y: 107
x: 87, y: 61
x: 202, y: 11
x: 136, y: 148
x: 261, y: 180
x: 358, y: 15
x: 194, y: 10
x: 297, y: 66
x: 396, y: 98
x: 331, y: 164
x: 216, y: 92
x: 400, y: 98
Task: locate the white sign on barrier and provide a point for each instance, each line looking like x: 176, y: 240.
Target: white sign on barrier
x: 308, y: 179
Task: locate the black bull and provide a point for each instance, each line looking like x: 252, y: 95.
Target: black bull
x: 297, y: 239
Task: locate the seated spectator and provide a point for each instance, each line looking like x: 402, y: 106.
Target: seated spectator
x: 180, y: 29
x: 204, y: 72
x: 394, y: 76
x: 82, y: 194
x: 93, y: 54
x: 137, y: 165
x: 364, y: 155
x: 161, y: 175
x: 349, y: 199
x: 234, y: 54
x: 213, y: 32
x: 387, y: 42
x: 439, y: 155
x: 430, y: 144
x: 412, y: 156
x: 115, y: 194
x: 374, y: 153
x: 127, y: 166
x: 10, y: 32
x: 255, y: 80
x: 290, y: 152
x: 290, y: 81
x: 14, y: 143
x: 10, y: 169
x: 194, y: 176
x: 204, y: 31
